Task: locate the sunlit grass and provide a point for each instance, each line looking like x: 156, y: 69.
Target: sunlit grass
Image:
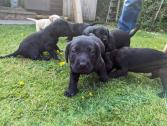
x: 32, y: 92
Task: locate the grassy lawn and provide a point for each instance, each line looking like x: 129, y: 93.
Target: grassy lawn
x: 32, y: 92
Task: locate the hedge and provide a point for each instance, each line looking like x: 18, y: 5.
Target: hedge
x: 149, y: 9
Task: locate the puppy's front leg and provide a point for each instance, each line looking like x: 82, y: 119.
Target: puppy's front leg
x: 102, y: 73
x: 50, y: 46
x: 153, y: 75
x: 53, y: 54
x: 118, y: 73
x: 108, y: 62
x: 72, y: 89
x: 163, y: 78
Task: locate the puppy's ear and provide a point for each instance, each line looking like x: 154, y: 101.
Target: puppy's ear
x: 67, y: 51
x: 99, y: 44
x: 100, y: 47
x: 108, y: 32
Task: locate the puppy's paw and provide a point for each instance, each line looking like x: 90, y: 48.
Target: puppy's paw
x: 46, y: 58
x: 150, y: 77
x: 70, y: 93
x: 108, y: 68
x: 113, y: 75
x: 104, y: 78
x: 116, y: 74
x: 153, y: 76
x: 162, y: 94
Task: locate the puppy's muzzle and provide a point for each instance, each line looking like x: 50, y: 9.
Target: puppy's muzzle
x: 82, y: 65
x: 104, y: 39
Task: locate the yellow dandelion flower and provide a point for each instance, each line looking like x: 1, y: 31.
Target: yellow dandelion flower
x: 90, y: 94
x: 21, y: 83
x: 62, y: 63
x: 61, y: 53
x: 58, y: 51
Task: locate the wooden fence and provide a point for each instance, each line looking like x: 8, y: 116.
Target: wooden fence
x: 88, y: 9
x: 48, y: 6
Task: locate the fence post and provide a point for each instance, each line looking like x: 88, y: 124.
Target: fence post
x: 77, y: 11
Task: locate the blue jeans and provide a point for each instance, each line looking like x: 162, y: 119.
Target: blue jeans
x: 130, y: 13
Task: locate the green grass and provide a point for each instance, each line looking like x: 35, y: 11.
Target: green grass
x: 128, y: 101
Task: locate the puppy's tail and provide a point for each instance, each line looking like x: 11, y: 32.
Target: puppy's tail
x: 133, y: 31
x: 32, y: 19
x: 16, y: 53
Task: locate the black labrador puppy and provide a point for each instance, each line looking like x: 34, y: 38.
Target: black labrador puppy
x: 35, y: 44
x: 119, y: 38
x: 112, y: 40
x: 78, y: 28
x: 140, y: 60
x: 85, y: 56
x: 102, y: 33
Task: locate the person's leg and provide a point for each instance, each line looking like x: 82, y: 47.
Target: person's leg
x: 130, y: 13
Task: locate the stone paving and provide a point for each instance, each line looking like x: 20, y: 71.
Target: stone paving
x: 16, y: 22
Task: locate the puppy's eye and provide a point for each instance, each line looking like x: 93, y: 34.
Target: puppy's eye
x: 75, y: 50
x: 91, y: 50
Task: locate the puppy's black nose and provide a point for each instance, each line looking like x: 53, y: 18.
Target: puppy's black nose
x: 82, y: 65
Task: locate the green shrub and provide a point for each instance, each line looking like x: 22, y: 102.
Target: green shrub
x: 150, y: 7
